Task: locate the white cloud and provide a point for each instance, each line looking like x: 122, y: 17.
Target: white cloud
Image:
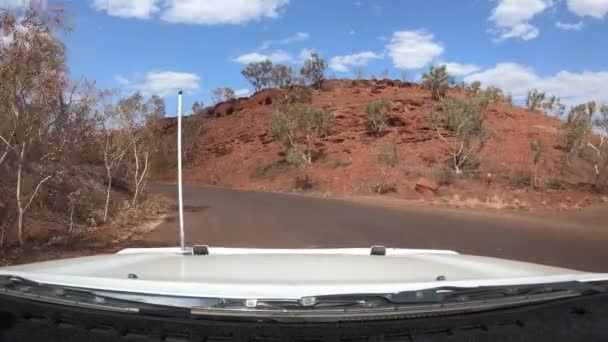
x: 593, y: 8
x: 121, y: 80
x: 305, y: 55
x: 458, y: 69
x: 569, y: 26
x: 572, y: 87
x: 342, y: 63
x: 511, y: 18
x: 15, y: 4
x: 352, y: 32
x: 413, y: 49
x: 142, y: 9
x: 254, y: 57
x: 241, y: 92
x: 298, y: 37
x: 165, y: 83
x: 212, y: 12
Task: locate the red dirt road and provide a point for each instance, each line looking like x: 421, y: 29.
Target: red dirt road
x: 232, y: 218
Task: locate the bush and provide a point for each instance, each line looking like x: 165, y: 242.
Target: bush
x: 538, y: 149
x: 377, y: 114
x: 303, y: 183
x: 473, y: 89
x: 578, y: 126
x: 534, y: 100
x: 464, y: 120
x: 383, y: 188
x: 298, y: 128
x: 493, y: 94
x: 437, y: 81
x: 553, y: 106
x: 298, y: 94
x: 444, y: 175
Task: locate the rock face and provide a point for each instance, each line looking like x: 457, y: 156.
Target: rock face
x: 426, y: 186
x: 236, y: 142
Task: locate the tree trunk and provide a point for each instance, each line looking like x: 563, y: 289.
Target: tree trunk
x: 71, y: 220
x: 105, y: 212
x: 136, y: 155
x: 18, y: 194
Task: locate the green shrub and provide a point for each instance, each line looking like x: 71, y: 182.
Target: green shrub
x: 298, y: 128
x: 437, y: 81
x: 377, y: 114
x: 534, y: 100
x: 465, y: 121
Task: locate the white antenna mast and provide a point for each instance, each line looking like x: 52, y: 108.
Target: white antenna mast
x: 180, y: 194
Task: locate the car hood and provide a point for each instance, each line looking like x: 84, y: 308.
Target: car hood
x: 294, y: 273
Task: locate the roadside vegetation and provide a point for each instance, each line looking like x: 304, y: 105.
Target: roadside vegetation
x: 71, y: 156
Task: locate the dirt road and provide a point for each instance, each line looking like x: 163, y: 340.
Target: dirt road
x: 231, y: 218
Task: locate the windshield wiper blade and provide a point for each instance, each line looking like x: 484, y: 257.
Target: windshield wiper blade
x: 460, y: 294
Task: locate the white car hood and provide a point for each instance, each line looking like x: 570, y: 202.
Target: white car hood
x: 293, y: 274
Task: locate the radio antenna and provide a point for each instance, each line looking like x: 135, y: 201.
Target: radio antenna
x: 180, y: 194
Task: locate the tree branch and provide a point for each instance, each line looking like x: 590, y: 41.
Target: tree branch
x: 36, y: 191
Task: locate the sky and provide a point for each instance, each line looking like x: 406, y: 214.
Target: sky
x: 162, y: 46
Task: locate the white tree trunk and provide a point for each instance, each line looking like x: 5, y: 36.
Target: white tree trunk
x: 18, y: 194
x: 71, y: 220
x: 105, y: 212
x: 136, y: 175
x: 109, y: 176
x: 140, y: 180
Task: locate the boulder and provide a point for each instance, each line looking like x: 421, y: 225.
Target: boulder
x: 426, y: 186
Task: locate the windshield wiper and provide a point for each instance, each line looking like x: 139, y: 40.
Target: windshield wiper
x: 463, y: 294
x: 30, y: 290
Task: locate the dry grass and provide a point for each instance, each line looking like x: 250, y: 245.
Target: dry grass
x: 128, y: 224
x: 495, y: 202
x: 149, y: 209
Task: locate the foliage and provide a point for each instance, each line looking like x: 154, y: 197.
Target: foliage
x: 437, y: 81
x: 586, y: 130
x: 473, y: 89
x: 464, y: 121
x: 377, y: 114
x: 297, y: 94
x: 198, y: 107
x: 259, y: 74
x: 493, y: 94
x: 554, y: 106
x: 222, y: 94
x: 298, y: 128
x: 538, y: 149
x: 281, y: 76
x: 313, y: 71
x: 578, y: 126
x: 534, y: 100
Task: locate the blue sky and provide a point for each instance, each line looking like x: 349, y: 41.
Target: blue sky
x: 158, y: 46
